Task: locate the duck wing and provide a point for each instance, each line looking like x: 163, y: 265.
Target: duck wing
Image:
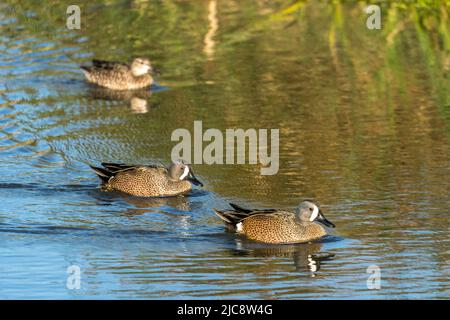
x: 116, y: 167
x: 111, y: 169
x: 110, y: 65
x: 235, y: 216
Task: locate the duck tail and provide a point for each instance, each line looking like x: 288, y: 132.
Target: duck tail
x: 86, y: 68
x: 239, y: 208
x: 87, y: 72
x: 231, y: 217
x: 223, y: 215
x: 103, y: 174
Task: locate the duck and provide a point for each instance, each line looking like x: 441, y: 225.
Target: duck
x: 277, y: 226
x: 120, y: 76
x: 147, y: 180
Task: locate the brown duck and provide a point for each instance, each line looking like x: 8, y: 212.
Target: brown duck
x: 120, y: 76
x: 147, y: 181
x: 277, y: 226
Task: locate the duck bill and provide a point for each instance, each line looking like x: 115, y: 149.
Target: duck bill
x: 321, y: 218
x: 193, y: 179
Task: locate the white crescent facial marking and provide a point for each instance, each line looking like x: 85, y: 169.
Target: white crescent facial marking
x: 314, y: 214
x: 185, y: 173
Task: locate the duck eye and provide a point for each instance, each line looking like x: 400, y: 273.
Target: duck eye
x: 311, y: 209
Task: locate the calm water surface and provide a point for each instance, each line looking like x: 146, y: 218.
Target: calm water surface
x: 364, y: 119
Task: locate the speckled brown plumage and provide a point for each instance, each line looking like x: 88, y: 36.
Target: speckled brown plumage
x: 271, y: 225
x: 142, y: 181
x: 115, y: 75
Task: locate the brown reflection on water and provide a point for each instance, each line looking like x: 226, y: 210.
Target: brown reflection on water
x: 136, y: 99
x: 144, y: 205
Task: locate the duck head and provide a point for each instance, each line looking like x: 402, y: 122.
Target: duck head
x: 180, y: 171
x: 141, y: 66
x: 309, y: 212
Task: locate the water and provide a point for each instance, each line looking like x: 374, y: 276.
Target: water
x: 364, y: 119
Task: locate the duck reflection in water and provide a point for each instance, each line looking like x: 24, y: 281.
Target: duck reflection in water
x: 137, y: 100
x: 144, y: 205
x: 136, y: 206
x: 305, y: 256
